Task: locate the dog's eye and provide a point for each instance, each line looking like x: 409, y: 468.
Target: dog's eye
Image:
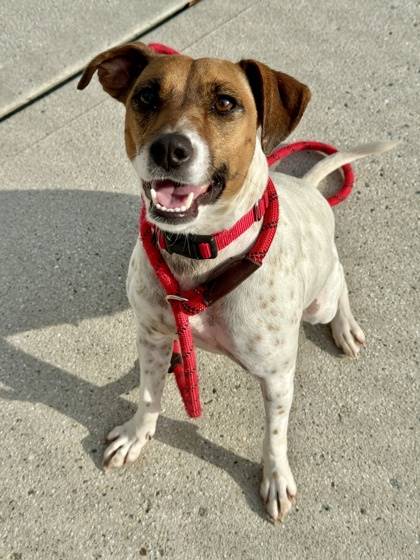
x: 148, y: 97
x: 224, y: 104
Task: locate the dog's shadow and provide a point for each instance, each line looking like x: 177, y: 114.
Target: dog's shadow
x: 64, y: 260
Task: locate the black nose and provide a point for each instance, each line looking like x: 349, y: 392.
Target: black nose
x: 170, y: 151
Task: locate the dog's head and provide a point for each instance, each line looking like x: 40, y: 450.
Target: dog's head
x: 191, y: 125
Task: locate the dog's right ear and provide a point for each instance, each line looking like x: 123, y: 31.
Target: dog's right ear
x: 118, y: 68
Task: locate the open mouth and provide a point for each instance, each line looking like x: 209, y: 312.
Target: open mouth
x: 168, y: 196
x: 176, y: 202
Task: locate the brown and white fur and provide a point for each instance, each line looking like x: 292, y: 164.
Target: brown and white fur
x: 257, y: 324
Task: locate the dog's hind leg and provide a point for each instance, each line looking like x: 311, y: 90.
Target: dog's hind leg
x: 346, y: 332
x: 324, y: 307
x: 332, y: 305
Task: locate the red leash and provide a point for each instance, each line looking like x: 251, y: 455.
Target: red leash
x: 185, y: 303
x: 348, y: 173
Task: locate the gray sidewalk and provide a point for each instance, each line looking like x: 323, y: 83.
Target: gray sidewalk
x: 44, y: 43
x: 68, y: 212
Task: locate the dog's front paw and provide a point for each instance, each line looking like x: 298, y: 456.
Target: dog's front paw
x: 125, y: 444
x: 278, y: 491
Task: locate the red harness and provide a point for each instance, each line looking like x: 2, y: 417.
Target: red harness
x: 185, y: 303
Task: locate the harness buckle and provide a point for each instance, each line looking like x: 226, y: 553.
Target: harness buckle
x: 257, y: 212
x: 189, y: 245
x: 168, y: 297
x: 260, y: 207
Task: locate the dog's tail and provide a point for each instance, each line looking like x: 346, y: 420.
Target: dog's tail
x: 335, y: 161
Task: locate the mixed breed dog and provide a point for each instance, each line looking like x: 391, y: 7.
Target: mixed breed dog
x: 197, y: 133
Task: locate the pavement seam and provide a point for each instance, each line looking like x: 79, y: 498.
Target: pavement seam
x: 209, y: 33
x: 49, y: 89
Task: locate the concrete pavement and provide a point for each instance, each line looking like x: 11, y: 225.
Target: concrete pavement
x: 44, y: 43
x: 68, y: 205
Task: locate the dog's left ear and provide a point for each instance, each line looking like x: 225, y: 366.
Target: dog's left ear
x: 280, y: 101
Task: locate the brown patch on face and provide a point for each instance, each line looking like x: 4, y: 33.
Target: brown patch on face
x: 187, y: 91
x: 231, y: 136
x: 130, y: 144
x: 176, y: 92
x: 166, y: 75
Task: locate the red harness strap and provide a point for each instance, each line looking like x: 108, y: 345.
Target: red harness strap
x: 185, y: 303
x: 207, y: 246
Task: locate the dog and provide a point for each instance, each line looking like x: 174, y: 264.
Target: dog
x: 197, y: 133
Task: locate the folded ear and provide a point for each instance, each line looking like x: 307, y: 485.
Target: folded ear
x: 280, y: 100
x: 118, y: 68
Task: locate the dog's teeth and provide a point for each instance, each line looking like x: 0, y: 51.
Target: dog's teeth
x: 189, y: 201
x: 160, y: 207
x: 183, y: 208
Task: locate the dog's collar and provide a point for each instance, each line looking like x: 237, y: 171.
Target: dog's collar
x: 202, y: 247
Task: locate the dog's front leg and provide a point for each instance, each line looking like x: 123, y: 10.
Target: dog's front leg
x: 278, y: 488
x: 127, y: 440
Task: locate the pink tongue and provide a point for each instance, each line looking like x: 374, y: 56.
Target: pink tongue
x: 165, y: 197
x: 171, y: 196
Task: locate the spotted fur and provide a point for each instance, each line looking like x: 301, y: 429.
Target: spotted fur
x: 257, y: 324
